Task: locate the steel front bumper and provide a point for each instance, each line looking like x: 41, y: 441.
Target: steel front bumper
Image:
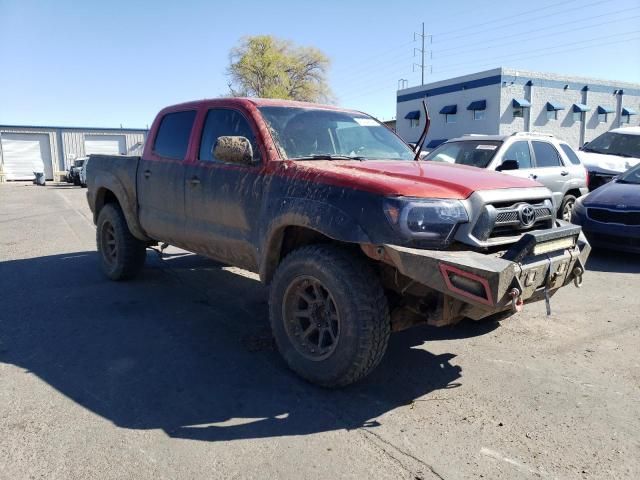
x: 485, y: 284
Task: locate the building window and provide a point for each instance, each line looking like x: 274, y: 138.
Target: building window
x: 552, y: 114
x: 450, y: 118
x: 478, y: 107
x: 518, y: 112
x: 625, y: 119
x: 579, y: 110
x: 414, y: 122
x: 602, y: 118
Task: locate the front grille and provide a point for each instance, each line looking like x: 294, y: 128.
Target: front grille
x: 501, y: 220
x: 506, y: 217
x: 612, y: 216
x: 510, y: 216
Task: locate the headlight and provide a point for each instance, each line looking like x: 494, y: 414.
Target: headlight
x: 433, y: 221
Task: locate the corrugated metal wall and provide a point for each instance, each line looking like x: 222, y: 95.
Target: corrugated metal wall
x: 73, y: 141
x: 68, y: 143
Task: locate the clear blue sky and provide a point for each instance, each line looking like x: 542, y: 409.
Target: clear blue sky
x: 106, y: 63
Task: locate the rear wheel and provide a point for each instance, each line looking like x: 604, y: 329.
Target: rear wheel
x: 329, y: 315
x: 566, y: 209
x: 122, y: 255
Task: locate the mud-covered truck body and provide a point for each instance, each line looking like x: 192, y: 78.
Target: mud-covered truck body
x: 355, y: 238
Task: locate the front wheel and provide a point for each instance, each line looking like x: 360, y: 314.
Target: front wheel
x: 329, y: 315
x: 122, y: 255
x: 566, y: 209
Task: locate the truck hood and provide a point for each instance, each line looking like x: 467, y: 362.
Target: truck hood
x: 605, y: 163
x: 406, y: 178
x: 613, y: 194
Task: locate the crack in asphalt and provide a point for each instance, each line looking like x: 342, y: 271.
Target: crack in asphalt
x: 428, y: 466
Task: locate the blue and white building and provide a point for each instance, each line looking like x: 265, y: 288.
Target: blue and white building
x: 504, y: 100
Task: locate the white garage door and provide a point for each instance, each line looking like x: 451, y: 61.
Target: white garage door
x: 21, y: 150
x: 104, y: 144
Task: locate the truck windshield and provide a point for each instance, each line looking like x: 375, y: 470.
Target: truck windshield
x: 312, y: 134
x: 476, y: 153
x: 620, y: 144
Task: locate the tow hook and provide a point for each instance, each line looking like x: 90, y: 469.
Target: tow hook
x: 516, y: 300
x: 577, y: 276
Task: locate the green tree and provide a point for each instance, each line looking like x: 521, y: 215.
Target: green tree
x: 269, y: 67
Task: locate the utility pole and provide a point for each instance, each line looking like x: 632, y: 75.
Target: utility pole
x: 422, y: 51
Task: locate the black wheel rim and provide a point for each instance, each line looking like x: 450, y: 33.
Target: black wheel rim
x: 568, y: 209
x: 311, y: 319
x: 109, y: 244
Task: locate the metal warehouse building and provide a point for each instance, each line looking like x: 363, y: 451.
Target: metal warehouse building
x: 502, y: 101
x: 57, y: 147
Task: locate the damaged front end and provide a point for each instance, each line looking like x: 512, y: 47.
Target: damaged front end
x: 443, y: 287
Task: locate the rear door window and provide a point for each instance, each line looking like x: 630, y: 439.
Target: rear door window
x: 571, y: 155
x: 225, y: 122
x: 546, y: 155
x: 520, y: 152
x: 172, y: 139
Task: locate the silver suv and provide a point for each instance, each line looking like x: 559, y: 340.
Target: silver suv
x: 541, y: 157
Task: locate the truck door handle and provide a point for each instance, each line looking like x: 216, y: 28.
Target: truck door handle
x: 194, y: 181
x: 533, y: 176
x: 564, y: 173
x: 147, y: 173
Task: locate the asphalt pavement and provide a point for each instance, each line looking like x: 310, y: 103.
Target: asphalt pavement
x: 175, y: 375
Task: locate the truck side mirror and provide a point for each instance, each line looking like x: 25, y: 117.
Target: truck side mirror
x: 508, y: 165
x: 233, y: 150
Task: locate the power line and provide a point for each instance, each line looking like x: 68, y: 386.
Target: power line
x: 519, y: 34
x: 522, y: 55
x: 384, y: 53
x: 526, y: 20
x: 545, y: 51
x: 386, y: 65
x: 508, y: 17
x: 519, y: 54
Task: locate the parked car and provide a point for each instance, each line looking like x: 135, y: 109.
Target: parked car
x: 611, y: 154
x: 354, y: 237
x: 610, y: 216
x: 73, y: 176
x: 541, y: 157
x: 82, y: 175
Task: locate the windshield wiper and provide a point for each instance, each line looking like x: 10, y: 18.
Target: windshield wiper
x: 328, y: 156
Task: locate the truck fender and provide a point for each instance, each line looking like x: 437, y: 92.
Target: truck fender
x: 324, y: 218
x: 108, y: 182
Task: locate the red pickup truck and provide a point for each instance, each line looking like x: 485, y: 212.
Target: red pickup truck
x: 354, y: 236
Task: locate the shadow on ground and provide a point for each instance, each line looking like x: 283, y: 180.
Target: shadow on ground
x: 186, y: 348
x: 602, y: 260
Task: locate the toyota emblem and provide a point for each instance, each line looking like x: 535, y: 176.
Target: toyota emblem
x: 527, y: 215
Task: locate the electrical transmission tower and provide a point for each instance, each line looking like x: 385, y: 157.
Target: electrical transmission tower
x: 422, y: 66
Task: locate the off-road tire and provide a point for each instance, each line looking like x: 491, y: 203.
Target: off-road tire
x: 130, y: 253
x: 360, y: 301
x: 568, y: 200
